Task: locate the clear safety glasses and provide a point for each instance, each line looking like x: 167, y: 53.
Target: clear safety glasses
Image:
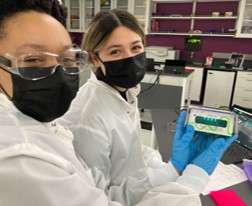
x: 39, y: 65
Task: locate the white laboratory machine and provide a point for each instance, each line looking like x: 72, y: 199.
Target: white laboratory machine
x: 219, y: 87
x: 161, y: 53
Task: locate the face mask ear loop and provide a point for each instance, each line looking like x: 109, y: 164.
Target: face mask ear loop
x: 97, y: 55
x: 1, y: 87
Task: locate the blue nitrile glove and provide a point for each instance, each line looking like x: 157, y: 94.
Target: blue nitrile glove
x: 211, y: 151
x: 184, y: 147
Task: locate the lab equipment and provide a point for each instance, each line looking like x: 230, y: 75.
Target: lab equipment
x: 227, y: 198
x: 242, y: 147
x: 187, y: 143
x: 174, y: 66
x: 214, y: 121
x: 224, y: 81
x: 209, y: 61
x: 161, y: 53
x: 247, y: 168
x: 236, y: 60
x: 193, y: 43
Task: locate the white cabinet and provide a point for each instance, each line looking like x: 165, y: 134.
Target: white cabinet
x: 80, y: 12
x: 243, y: 89
x: 196, y: 84
x: 244, y: 23
x: 88, y: 12
x: 191, y: 17
x: 121, y: 4
x: 139, y: 9
x: 111, y: 4
x: 74, y: 9
x: 218, y: 89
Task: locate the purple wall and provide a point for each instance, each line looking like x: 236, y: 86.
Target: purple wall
x: 76, y: 37
x: 210, y: 44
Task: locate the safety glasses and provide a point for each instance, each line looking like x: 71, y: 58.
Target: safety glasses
x: 39, y: 65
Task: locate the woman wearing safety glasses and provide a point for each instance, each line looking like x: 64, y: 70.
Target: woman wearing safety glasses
x: 44, y: 83
x: 105, y: 121
x: 38, y: 80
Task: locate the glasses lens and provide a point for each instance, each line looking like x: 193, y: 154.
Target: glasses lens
x: 34, y: 73
x: 73, y: 60
x: 39, y: 65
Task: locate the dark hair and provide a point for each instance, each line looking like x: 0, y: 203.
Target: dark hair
x: 104, y: 23
x: 9, y: 8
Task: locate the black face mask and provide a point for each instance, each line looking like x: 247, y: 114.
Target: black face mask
x: 45, y: 99
x: 125, y: 73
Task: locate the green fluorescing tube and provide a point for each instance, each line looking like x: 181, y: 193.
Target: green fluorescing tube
x: 211, y: 121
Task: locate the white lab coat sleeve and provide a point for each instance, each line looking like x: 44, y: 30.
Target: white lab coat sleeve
x: 159, y: 172
x: 152, y: 157
x: 172, y: 194
x: 29, y: 179
x: 135, y: 189
x: 185, y: 191
x: 162, y: 175
x: 194, y: 177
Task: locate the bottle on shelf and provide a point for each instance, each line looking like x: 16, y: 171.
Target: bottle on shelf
x: 155, y: 26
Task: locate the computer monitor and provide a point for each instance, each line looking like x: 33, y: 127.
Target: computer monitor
x: 244, y: 125
x: 150, y: 65
x: 193, y: 44
x: 174, y: 66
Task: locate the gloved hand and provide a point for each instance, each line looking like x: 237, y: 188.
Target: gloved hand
x: 184, y: 147
x: 210, y: 151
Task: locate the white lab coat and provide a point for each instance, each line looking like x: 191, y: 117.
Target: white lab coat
x: 106, y: 132
x: 39, y: 167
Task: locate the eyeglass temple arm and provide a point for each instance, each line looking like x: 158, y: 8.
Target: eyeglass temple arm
x: 5, y: 61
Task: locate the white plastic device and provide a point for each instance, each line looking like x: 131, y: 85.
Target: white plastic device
x: 214, y: 121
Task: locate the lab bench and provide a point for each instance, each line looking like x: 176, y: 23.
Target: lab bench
x: 160, y: 78
x: 164, y: 133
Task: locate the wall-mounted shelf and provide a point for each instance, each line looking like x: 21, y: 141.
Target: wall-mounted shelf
x: 198, y: 17
x: 192, y: 34
x: 171, y: 17
x: 190, y: 16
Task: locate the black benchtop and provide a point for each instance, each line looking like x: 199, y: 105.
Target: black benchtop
x: 218, y: 68
x: 186, y: 74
